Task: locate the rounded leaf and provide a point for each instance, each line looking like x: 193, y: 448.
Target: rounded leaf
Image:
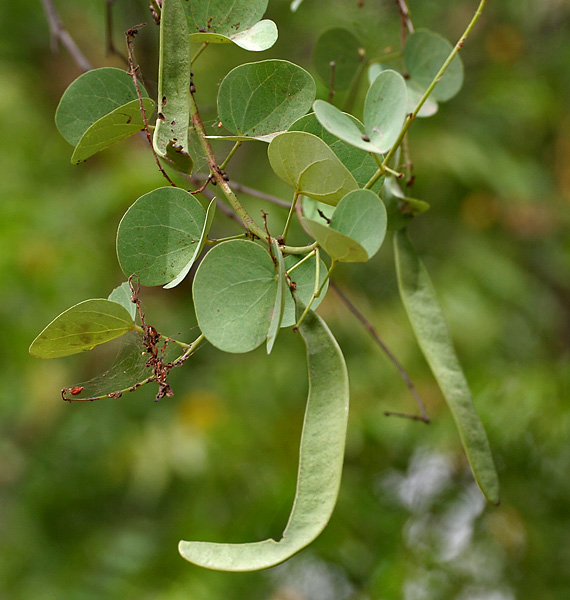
x: 307, y: 164
x: 160, y: 234
x: 264, y: 97
x: 122, y: 295
x: 337, y: 245
x: 342, y: 47
x: 226, y: 17
x: 90, y: 97
x: 424, y: 55
x: 235, y: 290
x: 81, y: 328
x: 258, y: 37
x: 361, y: 215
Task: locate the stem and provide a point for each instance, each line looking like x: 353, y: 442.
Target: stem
x: 229, y: 156
x: 316, y: 294
x: 332, y: 65
x: 240, y: 236
x: 354, y: 85
x: 403, y: 373
x: 298, y: 264
x: 199, y: 51
x: 291, y: 211
x: 435, y: 81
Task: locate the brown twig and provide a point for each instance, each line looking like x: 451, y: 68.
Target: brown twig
x: 58, y: 33
x: 406, y: 20
x: 423, y: 416
x: 130, y: 35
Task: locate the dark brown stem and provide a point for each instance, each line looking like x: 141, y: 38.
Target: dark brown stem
x: 423, y: 416
x: 130, y: 35
x: 58, y: 33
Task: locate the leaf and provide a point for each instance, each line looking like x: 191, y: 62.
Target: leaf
x: 114, y: 127
x: 432, y: 333
x: 160, y: 234
x: 385, y: 109
x: 307, y: 164
x: 415, y: 92
x: 424, y: 55
x: 337, y: 245
x: 361, y: 215
x: 234, y: 295
x: 277, y: 315
x: 177, y: 158
x: 225, y: 17
x: 359, y: 162
x: 258, y: 37
x: 342, y: 47
x: 400, y: 208
x: 264, y: 97
x: 122, y: 295
x: 304, y: 278
x: 174, y: 65
x: 81, y: 328
x: 210, y: 214
x: 320, y: 462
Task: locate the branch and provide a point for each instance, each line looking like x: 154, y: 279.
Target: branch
x: 405, y: 18
x: 403, y: 373
x: 58, y: 33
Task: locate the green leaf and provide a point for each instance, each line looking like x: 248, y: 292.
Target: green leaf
x: 385, y: 109
x: 264, y: 97
x: 337, y: 245
x: 177, y: 158
x: 81, y: 328
x: 320, y: 462
x: 357, y: 161
x: 122, y: 295
x: 160, y: 234
x: 424, y: 55
x: 112, y: 128
x: 307, y: 164
x: 224, y: 16
x: 277, y: 315
x: 432, y: 333
x: 91, y: 97
x: 256, y: 38
x: 361, y: 215
x: 174, y: 65
x: 304, y: 278
x: 400, y: 208
x: 234, y: 295
x: 342, y: 47
x: 210, y: 214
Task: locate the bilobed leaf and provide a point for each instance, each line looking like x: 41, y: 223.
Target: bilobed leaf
x: 260, y: 98
x: 342, y: 47
x: 424, y: 55
x: 320, y: 462
x: 256, y: 38
x: 174, y: 65
x: 122, y: 295
x: 307, y: 164
x: 81, y: 328
x: 160, y: 234
x: 210, y: 214
x: 432, y: 332
x: 234, y: 295
x: 304, y: 278
x: 361, y: 215
x: 337, y: 245
x: 385, y: 109
x: 359, y: 162
x: 91, y: 97
x: 277, y: 315
x: 118, y: 125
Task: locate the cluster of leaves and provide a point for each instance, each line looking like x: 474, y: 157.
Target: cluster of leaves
x: 344, y: 177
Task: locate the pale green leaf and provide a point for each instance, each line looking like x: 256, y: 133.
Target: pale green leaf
x: 81, y: 328
x: 307, y: 164
x: 160, y: 234
x: 173, y: 117
x: 337, y: 245
x: 264, y: 97
x: 282, y: 290
x: 226, y: 17
x: 320, y: 462
x: 432, y: 332
x: 122, y: 295
x: 118, y: 125
x: 234, y: 295
x: 256, y: 38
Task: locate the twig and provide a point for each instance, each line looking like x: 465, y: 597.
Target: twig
x: 59, y: 33
x: 332, y: 65
x: 405, y: 18
x: 403, y: 373
x: 130, y: 35
x: 110, y: 46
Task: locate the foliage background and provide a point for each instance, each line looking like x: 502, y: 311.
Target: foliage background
x: 94, y: 497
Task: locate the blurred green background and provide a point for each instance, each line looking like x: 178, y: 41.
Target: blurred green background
x: 95, y: 496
